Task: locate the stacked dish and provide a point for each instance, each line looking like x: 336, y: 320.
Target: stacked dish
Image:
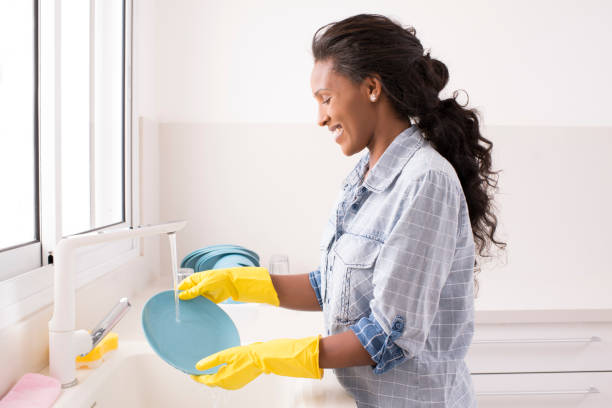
x: 220, y: 256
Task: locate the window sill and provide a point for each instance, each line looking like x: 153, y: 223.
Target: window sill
x: 31, y: 291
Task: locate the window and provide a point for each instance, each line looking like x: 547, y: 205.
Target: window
x: 92, y: 92
x: 19, y: 234
x: 64, y: 129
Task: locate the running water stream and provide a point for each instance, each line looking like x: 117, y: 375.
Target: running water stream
x: 174, y: 263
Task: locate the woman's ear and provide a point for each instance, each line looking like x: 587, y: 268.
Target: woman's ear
x: 372, y: 86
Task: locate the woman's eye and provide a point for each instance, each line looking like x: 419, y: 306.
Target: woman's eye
x: 326, y: 101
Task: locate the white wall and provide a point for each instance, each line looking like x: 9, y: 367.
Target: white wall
x: 554, y: 200
x: 523, y: 62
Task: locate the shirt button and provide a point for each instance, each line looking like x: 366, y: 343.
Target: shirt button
x: 398, y: 324
x: 354, y: 206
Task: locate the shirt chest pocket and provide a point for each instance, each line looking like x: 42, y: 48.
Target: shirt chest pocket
x: 350, y: 291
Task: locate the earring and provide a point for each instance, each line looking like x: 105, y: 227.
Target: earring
x: 373, y: 98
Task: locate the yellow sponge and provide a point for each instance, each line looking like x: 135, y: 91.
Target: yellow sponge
x: 108, y: 343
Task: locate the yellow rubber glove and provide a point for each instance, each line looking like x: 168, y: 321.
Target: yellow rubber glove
x: 244, y: 284
x: 287, y: 357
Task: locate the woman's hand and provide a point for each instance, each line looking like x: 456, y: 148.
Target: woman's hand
x: 287, y: 357
x: 243, y: 284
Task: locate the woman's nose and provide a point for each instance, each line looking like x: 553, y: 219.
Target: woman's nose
x: 322, y: 117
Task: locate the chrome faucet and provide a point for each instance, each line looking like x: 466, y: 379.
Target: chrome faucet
x: 65, y: 342
x: 110, y: 321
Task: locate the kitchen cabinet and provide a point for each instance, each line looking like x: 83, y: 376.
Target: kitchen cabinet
x: 535, y: 390
x: 542, y: 359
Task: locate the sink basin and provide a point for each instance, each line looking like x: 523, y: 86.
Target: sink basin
x: 135, y: 377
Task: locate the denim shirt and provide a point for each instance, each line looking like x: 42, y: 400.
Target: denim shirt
x: 397, y: 260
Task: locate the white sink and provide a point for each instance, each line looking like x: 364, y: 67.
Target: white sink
x: 136, y: 377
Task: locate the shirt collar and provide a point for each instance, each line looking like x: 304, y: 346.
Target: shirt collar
x: 389, y: 165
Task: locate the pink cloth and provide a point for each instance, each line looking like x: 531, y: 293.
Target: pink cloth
x: 32, y: 391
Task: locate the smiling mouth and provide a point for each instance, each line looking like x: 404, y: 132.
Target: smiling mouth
x: 337, y: 131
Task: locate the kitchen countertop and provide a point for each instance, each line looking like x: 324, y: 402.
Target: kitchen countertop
x: 543, y: 316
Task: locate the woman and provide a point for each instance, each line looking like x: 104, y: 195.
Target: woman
x: 396, y: 280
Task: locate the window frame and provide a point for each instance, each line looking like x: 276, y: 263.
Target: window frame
x: 32, y: 289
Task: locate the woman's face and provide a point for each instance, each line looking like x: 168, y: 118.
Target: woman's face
x: 344, y: 107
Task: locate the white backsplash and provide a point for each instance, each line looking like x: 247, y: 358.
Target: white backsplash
x: 271, y: 188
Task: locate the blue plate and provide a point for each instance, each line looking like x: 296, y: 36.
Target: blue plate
x: 191, y: 259
x: 233, y: 260
x: 209, y: 260
x: 204, y: 329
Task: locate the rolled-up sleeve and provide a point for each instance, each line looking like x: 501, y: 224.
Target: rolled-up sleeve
x: 315, y: 282
x: 415, y: 261
x: 380, y: 345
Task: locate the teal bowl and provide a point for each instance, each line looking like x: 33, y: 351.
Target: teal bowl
x: 203, y: 329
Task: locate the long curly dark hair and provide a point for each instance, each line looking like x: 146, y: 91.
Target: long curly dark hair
x: 368, y: 44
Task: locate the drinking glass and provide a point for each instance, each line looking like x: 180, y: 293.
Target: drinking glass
x: 182, y: 274
x: 279, y: 264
